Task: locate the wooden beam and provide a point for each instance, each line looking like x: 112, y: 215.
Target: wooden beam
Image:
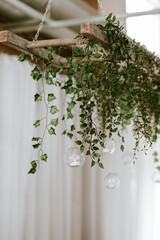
x: 93, y: 3
x: 92, y: 32
x: 13, y: 41
x: 54, y: 42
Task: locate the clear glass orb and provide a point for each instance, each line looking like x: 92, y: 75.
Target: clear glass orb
x: 74, y: 158
x: 112, y: 181
x: 156, y: 177
x: 109, y: 146
x: 128, y: 159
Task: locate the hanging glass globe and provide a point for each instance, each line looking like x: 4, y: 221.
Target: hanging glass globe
x: 112, y: 181
x: 156, y: 177
x: 74, y: 158
x: 109, y: 146
x: 128, y: 159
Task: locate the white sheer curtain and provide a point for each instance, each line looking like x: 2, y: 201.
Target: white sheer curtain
x: 129, y: 210
x: 59, y: 203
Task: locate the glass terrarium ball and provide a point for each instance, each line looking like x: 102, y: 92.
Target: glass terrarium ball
x: 128, y: 159
x: 156, y: 177
x: 109, y: 146
x: 112, y: 181
x: 74, y: 158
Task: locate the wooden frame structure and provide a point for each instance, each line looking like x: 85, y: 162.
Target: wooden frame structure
x: 37, y: 48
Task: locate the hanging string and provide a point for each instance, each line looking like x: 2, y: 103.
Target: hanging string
x: 102, y: 8
x: 43, y: 19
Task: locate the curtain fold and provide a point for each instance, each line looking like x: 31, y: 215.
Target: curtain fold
x: 51, y: 203
x: 60, y: 203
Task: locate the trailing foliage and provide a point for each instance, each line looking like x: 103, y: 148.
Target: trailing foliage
x: 112, y: 86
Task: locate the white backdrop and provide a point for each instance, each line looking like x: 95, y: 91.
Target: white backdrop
x: 59, y: 203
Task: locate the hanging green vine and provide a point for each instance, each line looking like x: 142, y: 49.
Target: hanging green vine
x: 121, y: 88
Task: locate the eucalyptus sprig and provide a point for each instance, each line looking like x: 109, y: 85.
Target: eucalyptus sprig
x: 120, y: 89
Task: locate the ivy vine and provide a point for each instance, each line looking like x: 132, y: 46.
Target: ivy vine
x: 121, y: 88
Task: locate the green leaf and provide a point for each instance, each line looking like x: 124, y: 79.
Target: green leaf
x: 109, y: 16
x: 114, y: 18
x: 61, y: 49
x: 80, y: 132
x: 78, y: 142
x: 158, y: 168
x: 155, y: 154
x: 32, y: 171
x: 37, y: 123
x: 37, y: 97
x: 50, y: 57
x: 95, y: 148
x: 44, y: 157
x: 79, y: 35
x: 53, y: 73
x: 122, y: 148
x: 64, y: 132
x: 95, y: 141
x: 88, y: 152
x: 54, y: 122
x: 49, y: 81
x: 22, y: 57
x: 35, y: 74
x: 114, y: 130
x: 103, y: 135
x: 54, y: 109
x: 70, y: 115
x: 35, y: 138
x: 70, y: 105
x: 100, y: 165
x: 72, y: 127
x: 81, y: 148
x: 70, y: 135
x: 33, y: 164
x: 110, y: 135
x: 92, y: 163
x: 51, y: 49
x: 35, y: 146
x: 51, y: 131
x: 51, y: 97
x: 102, y: 144
x: 97, y: 55
x: 156, y: 160
x: 97, y: 155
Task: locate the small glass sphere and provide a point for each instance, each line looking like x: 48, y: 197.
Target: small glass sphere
x: 109, y: 146
x: 128, y: 159
x: 112, y: 181
x: 74, y: 158
x: 156, y: 177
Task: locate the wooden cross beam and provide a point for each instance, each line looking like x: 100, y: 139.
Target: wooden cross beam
x: 89, y: 30
x: 36, y: 48
x: 13, y: 41
x: 54, y: 43
x: 92, y: 32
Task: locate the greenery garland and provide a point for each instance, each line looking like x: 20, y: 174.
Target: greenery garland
x: 122, y: 89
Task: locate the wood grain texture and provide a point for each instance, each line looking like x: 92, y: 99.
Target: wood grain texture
x: 92, y: 32
x: 93, y: 3
x: 54, y: 42
x: 13, y: 41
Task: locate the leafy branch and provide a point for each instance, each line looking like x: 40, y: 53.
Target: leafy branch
x: 122, y: 89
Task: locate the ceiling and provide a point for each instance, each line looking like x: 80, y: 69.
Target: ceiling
x: 155, y: 3
x: 24, y: 16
